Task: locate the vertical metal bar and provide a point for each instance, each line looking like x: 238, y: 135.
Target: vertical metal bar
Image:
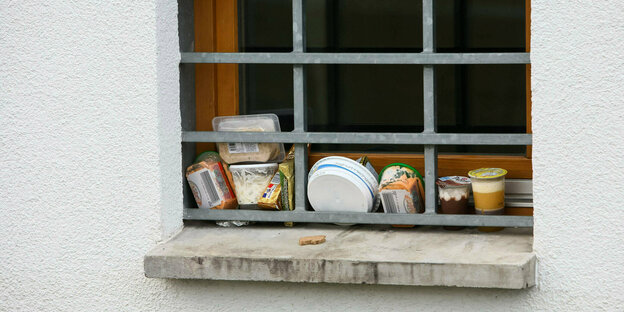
x: 428, y: 26
x: 298, y: 26
x: 429, y: 107
x: 299, y: 92
x: 431, y: 151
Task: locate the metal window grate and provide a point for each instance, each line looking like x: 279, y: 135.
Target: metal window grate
x: 429, y: 137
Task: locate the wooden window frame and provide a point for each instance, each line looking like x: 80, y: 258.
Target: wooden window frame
x: 217, y: 94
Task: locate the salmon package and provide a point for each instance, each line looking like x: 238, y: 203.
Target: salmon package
x: 210, y: 185
x: 402, y: 189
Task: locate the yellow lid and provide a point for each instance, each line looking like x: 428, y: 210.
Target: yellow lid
x: 487, y: 173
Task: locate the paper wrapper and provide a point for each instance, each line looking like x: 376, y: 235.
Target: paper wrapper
x: 279, y: 194
x: 271, y: 197
x: 287, y: 180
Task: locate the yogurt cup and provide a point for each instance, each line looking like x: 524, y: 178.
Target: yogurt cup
x: 453, y: 192
x: 488, y: 190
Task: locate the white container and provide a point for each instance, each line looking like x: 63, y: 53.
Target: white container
x: 339, y: 184
x: 250, y: 181
x: 234, y: 152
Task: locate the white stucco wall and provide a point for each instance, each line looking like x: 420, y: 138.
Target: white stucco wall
x: 89, y: 167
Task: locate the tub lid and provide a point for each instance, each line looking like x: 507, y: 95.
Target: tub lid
x: 209, y: 154
x: 333, y: 190
x: 487, y: 173
x: 254, y: 166
x: 422, y: 181
x: 453, y: 181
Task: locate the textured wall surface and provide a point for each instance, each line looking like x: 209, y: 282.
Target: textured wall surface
x: 89, y: 167
x: 578, y: 125
x: 89, y: 151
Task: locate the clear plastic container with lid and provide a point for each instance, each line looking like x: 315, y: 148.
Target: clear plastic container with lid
x: 250, y: 181
x: 233, y: 153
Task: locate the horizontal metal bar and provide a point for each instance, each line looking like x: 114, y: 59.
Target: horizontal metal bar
x: 361, y: 218
x: 357, y: 58
x: 359, y: 138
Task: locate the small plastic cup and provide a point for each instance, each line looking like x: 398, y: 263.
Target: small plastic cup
x: 488, y: 190
x: 453, y: 192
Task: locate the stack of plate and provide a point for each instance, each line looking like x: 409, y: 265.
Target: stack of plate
x: 339, y: 184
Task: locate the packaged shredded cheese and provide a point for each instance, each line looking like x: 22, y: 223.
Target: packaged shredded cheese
x: 251, y: 180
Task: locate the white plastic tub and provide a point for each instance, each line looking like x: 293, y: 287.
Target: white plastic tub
x: 339, y: 184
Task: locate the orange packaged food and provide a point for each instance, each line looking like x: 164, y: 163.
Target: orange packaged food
x: 402, y: 189
x: 210, y: 184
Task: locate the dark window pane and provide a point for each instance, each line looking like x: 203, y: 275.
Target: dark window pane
x: 265, y: 26
x: 480, y: 26
x: 365, y: 98
x: 333, y: 25
x: 267, y: 88
x: 481, y: 98
x: 364, y: 25
x: 388, y: 98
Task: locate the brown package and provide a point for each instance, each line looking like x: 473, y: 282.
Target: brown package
x: 210, y: 185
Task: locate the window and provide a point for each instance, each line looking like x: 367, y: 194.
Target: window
x: 475, y: 68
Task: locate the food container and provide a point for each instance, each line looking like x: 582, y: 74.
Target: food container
x: 210, y: 155
x: 250, y: 181
x: 210, y: 185
x: 340, y: 184
x: 453, y: 192
x: 233, y: 153
x: 402, y: 189
x: 488, y: 190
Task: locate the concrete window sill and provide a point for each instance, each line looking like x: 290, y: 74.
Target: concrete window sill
x: 424, y: 256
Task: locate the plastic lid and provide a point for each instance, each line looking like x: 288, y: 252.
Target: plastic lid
x: 205, y: 155
x: 338, y: 190
x: 257, y: 122
x: 349, y: 165
x: 487, y: 173
x: 254, y: 166
x: 453, y: 181
x: 422, y: 181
